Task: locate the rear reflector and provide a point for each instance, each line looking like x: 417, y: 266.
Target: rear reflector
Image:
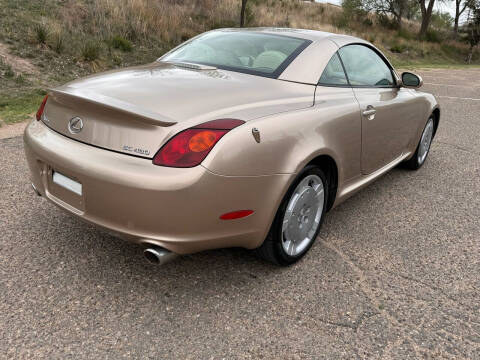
x: 236, y: 214
x: 41, y: 108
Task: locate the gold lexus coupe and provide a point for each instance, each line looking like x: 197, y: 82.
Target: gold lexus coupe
x: 236, y: 138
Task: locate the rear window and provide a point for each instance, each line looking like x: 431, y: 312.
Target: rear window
x: 248, y: 52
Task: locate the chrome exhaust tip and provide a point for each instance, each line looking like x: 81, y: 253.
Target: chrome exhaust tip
x: 158, y: 256
x: 36, y: 190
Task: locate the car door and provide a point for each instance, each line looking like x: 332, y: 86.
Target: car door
x: 384, y: 108
x: 338, y: 113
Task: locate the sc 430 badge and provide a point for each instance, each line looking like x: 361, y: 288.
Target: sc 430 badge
x: 136, y: 150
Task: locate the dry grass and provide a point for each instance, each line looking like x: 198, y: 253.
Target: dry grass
x: 294, y: 14
x: 149, y: 20
x: 173, y: 21
x: 159, y: 25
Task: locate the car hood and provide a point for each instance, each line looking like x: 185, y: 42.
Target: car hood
x: 151, y: 102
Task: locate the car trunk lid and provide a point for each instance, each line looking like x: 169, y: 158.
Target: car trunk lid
x: 135, y: 110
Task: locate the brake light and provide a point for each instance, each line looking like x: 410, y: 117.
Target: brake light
x: 41, y: 108
x: 189, y: 147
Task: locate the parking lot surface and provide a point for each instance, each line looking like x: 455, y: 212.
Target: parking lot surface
x: 394, y: 274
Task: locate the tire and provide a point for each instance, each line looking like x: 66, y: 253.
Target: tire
x: 302, y: 211
x: 423, y: 147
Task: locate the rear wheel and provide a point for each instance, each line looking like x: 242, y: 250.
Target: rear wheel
x: 298, y: 219
x: 423, y: 148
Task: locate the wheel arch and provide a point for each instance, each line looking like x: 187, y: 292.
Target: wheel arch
x: 327, y: 163
x: 436, y: 119
x: 329, y: 166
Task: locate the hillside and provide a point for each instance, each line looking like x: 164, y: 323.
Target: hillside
x: 47, y: 42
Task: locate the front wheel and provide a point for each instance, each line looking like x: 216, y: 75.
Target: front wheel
x: 423, y: 148
x: 298, y: 219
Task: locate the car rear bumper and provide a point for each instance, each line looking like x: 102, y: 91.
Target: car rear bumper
x: 177, y: 209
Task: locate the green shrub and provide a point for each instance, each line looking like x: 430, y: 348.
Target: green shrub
x: 352, y: 10
x: 433, y: 36
x: 91, y: 51
x: 398, y: 48
x: 116, y: 60
x: 367, y: 22
x: 422, y: 52
x: 451, y: 51
x: 41, y: 33
x: 118, y: 42
x: 57, y: 42
x: 386, y: 22
x: 341, y: 21
x: 21, y: 80
x: 405, y: 34
x: 9, y: 74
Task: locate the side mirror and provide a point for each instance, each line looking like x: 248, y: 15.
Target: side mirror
x: 411, y: 80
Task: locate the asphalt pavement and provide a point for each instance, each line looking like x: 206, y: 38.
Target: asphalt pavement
x: 394, y: 274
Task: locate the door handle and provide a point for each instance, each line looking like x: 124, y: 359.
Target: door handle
x: 369, y: 112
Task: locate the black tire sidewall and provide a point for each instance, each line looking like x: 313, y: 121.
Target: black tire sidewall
x: 412, y: 163
x: 276, y: 231
x: 416, y: 164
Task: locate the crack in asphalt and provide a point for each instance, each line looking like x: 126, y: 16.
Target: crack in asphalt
x: 369, y: 292
x: 458, y: 147
x: 365, y: 315
x: 432, y: 287
x: 446, y: 295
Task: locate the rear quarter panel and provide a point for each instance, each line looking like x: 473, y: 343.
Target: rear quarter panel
x: 289, y: 141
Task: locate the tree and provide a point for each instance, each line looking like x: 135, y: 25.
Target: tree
x: 353, y: 10
x: 395, y: 8
x: 426, y: 16
x: 441, y: 20
x: 413, y: 9
x: 472, y: 28
x: 460, y: 6
x: 242, y: 13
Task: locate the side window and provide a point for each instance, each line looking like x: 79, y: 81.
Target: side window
x: 365, y: 67
x: 333, y: 73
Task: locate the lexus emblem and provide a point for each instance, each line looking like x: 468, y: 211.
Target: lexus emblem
x: 75, y: 125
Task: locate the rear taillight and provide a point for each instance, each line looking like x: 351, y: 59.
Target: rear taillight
x: 41, y: 108
x: 189, y: 147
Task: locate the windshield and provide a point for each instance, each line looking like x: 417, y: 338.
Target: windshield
x: 248, y: 52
